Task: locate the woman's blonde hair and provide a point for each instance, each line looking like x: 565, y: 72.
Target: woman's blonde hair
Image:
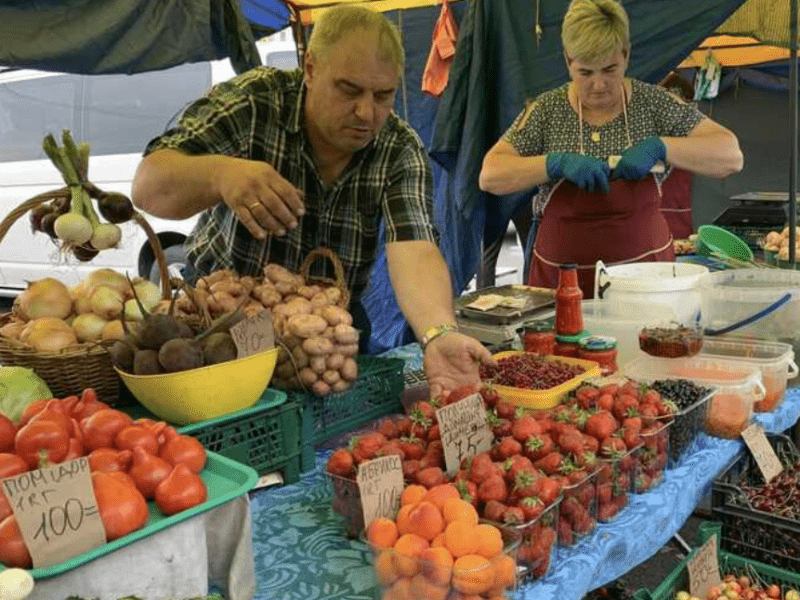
x: 340, y: 20
x: 594, y: 29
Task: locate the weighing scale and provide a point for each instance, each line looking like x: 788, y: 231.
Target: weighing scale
x: 501, y: 324
x: 755, y: 215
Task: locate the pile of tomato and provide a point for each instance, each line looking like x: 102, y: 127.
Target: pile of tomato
x: 131, y: 461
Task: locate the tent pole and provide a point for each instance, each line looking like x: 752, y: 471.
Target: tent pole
x: 793, y: 131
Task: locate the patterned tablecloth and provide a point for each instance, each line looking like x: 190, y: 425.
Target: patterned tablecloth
x: 301, y: 552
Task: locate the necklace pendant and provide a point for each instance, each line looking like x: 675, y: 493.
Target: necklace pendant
x: 595, y: 136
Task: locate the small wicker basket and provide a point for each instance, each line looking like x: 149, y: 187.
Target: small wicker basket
x: 86, y: 365
x: 340, y: 283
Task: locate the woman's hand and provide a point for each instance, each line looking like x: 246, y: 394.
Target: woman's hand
x: 452, y: 360
x: 587, y: 172
x: 636, y: 162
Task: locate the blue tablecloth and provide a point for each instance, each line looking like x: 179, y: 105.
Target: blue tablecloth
x: 301, y: 552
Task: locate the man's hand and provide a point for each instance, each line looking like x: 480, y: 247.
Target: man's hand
x: 636, y: 162
x: 263, y: 200
x: 452, y: 360
x: 587, y: 172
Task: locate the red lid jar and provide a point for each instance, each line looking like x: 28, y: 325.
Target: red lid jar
x: 601, y: 349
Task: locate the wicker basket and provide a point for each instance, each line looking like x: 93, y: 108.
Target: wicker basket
x: 86, y: 365
x: 338, y: 269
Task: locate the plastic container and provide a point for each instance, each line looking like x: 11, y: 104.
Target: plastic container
x: 538, y: 338
x: 775, y: 359
x: 746, y: 531
x: 535, y: 542
x: 578, y: 512
x: 651, y: 458
x: 542, y: 399
x: 601, y: 349
x: 568, y: 346
x: 673, y: 284
x: 615, y: 477
x: 712, y: 239
x: 205, y: 393
x: 671, y: 340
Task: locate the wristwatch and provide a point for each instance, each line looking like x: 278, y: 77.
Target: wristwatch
x: 434, y: 332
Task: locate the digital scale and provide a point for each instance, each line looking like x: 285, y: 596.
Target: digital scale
x: 501, y: 324
x: 755, y: 215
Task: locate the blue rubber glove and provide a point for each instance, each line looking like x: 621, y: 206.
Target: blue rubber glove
x: 636, y: 162
x: 586, y: 172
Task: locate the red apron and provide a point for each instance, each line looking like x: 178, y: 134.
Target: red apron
x: 676, y: 203
x: 582, y: 227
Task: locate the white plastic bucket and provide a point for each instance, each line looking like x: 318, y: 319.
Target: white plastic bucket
x: 673, y: 284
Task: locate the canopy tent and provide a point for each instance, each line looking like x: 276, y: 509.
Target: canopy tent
x: 734, y: 51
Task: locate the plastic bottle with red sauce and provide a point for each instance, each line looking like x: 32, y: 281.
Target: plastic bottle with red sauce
x: 569, y: 316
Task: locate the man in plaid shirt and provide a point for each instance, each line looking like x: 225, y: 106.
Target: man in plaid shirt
x: 282, y: 162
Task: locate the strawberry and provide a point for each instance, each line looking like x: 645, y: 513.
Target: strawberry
x: 460, y: 393
x: 494, y: 511
x: 434, y: 433
x: 431, y: 459
x: 631, y: 438
x: 586, y: 460
x: 605, y: 402
x: 490, y: 396
x: 591, y: 444
x: 547, y: 490
x: 341, y: 463
x: 613, y: 447
x: 366, y: 446
x: 604, y: 493
x: 651, y: 396
x: 430, y: 477
x: 505, y: 410
x: 601, y: 425
x: 436, y: 447
x: 508, y: 447
x: 587, y: 396
x: 524, y: 428
x: 410, y: 470
x: 500, y: 427
x: 649, y: 415
x: 634, y: 422
x: 623, y: 404
x: 468, y: 491
x: 480, y: 468
x: 565, y: 532
x: 524, y: 484
x: 538, y: 446
x: 391, y: 448
x: 513, y: 515
x: 423, y: 410
x: 388, y: 428
x: 516, y: 464
x: 571, y: 443
x: 419, y: 430
x: 550, y: 464
x: 532, y: 507
x: 492, y: 488
x: 403, y: 426
x: 630, y: 388
x: 610, y: 388
x: 413, y: 447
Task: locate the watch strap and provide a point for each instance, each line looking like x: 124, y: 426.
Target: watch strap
x: 437, y: 331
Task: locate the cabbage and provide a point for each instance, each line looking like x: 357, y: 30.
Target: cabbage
x: 20, y: 387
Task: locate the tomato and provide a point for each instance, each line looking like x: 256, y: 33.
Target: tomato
x: 110, y: 460
x: 53, y: 411
x: 179, y: 448
x: 87, y: 405
x: 41, y: 435
x: 5, y: 507
x: 11, y: 464
x: 181, y: 489
x: 7, y: 433
x: 122, y: 507
x: 33, y: 409
x: 68, y: 404
x: 74, y: 449
x: 147, y: 471
x: 13, y: 551
x: 100, y: 429
x: 136, y: 436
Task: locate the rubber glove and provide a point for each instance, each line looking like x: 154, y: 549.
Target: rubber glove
x: 636, y: 161
x: 586, y: 172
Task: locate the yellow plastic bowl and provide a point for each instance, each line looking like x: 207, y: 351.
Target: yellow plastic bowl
x: 205, y: 393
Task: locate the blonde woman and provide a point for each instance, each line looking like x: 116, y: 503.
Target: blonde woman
x: 562, y: 142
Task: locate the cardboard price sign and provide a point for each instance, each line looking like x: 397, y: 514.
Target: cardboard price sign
x: 703, y: 569
x: 380, y: 483
x: 762, y: 451
x: 253, y: 335
x: 56, y: 511
x: 464, y: 430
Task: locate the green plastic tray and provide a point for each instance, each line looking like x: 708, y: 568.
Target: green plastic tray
x: 678, y: 579
x: 225, y: 479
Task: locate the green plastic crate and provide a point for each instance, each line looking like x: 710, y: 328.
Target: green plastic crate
x: 266, y: 437
x: 376, y: 393
x: 679, y: 578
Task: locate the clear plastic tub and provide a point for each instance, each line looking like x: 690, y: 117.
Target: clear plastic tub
x: 775, y: 359
x: 535, y: 542
x: 729, y: 409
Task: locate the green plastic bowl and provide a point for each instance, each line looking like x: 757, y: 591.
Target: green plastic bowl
x: 711, y: 239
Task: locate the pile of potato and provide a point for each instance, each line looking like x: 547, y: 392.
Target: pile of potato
x: 779, y: 242
x: 319, y: 338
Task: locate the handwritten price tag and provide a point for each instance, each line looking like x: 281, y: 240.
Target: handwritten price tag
x: 762, y: 451
x: 253, y: 335
x: 464, y: 430
x: 380, y: 483
x: 704, y: 569
x: 56, y: 511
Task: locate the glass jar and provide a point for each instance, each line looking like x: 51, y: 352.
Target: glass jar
x: 569, y: 345
x: 569, y: 317
x: 539, y: 338
x: 601, y: 349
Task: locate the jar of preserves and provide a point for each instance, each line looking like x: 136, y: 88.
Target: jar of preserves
x: 601, y: 349
x: 539, y: 338
x: 569, y: 317
x: 569, y: 345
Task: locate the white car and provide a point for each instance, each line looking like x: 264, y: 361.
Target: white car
x: 117, y: 115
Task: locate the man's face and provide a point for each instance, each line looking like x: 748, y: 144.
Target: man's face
x: 350, y: 92
x: 599, y: 82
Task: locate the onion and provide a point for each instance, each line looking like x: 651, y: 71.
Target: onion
x: 148, y: 293
x: 106, y: 302
x: 107, y: 277
x: 46, y: 297
x: 52, y: 340
x: 132, y: 311
x: 89, y: 327
x: 13, y: 329
x: 82, y: 304
x: 105, y: 236
x: 114, y: 331
x: 73, y: 228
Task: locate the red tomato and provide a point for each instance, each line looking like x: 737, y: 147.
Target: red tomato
x: 122, y: 507
x: 7, y: 433
x: 41, y: 435
x: 136, y: 436
x: 148, y: 471
x: 181, y: 489
x: 179, y: 448
x: 5, y: 507
x: 33, y: 409
x: 53, y: 411
x: 110, y: 460
x: 13, y: 551
x: 87, y: 405
x: 11, y: 464
x: 68, y: 404
x: 74, y: 449
x: 100, y: 429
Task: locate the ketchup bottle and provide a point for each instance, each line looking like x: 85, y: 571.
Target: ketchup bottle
x: 569, y: 317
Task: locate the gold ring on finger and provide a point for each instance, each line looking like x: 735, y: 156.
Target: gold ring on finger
x: 253, y: 205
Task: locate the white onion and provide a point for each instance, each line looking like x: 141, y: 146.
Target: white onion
x: 88, y: 327
x: 82, y: 304
x: 106, y: 302
x: 13, y: 329
x: 105, y: 236
x: 114, y: 331
x: 73, y: 228
x: 46, y: 297
x: 132, y: 311
x: 148, y: 293
x: 52, y: 340
x: 43, y: 324
x: 108, y: 278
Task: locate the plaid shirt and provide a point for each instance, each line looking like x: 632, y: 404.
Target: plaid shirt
x: 259, y: 115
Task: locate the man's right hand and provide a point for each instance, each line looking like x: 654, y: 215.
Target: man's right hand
x: 264, y: 201
x: 587, y: 172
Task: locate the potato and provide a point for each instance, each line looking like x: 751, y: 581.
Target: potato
x: 285, y: 288
x: 298, y: 306
x: 183, y: 303
x: 291, y: 341
x: 319, y: 300
x: 306, y: 326
x: 220, y: 275
x: 345, y: 334
x: 308, y: 377
x: 280, y: 311
x: 333, y: 294
x: 201, y: 284
x: 320, y: 388
x: 290, y: 297
x: 248, y: 282
x: 349, y: 370
x: 277, y: 273
x: 335, y: 361
x: 340, y: 386
x: 307, y: 291
x: 335, y: 315
x: 300, y: 357
x: 267, y: 295
x: 283, y: 356
x: 278, y: 383
x: 233, y: 288
x: 252, y: 308
x: 284, y: 370
x: 294, y: 383
x: 317, y: 364
x: 278, y: 325
x: 330, y: 377
x: 221, y: 302
x: 328, y: 334
x: 346, y: 349
x: 317, y: 346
